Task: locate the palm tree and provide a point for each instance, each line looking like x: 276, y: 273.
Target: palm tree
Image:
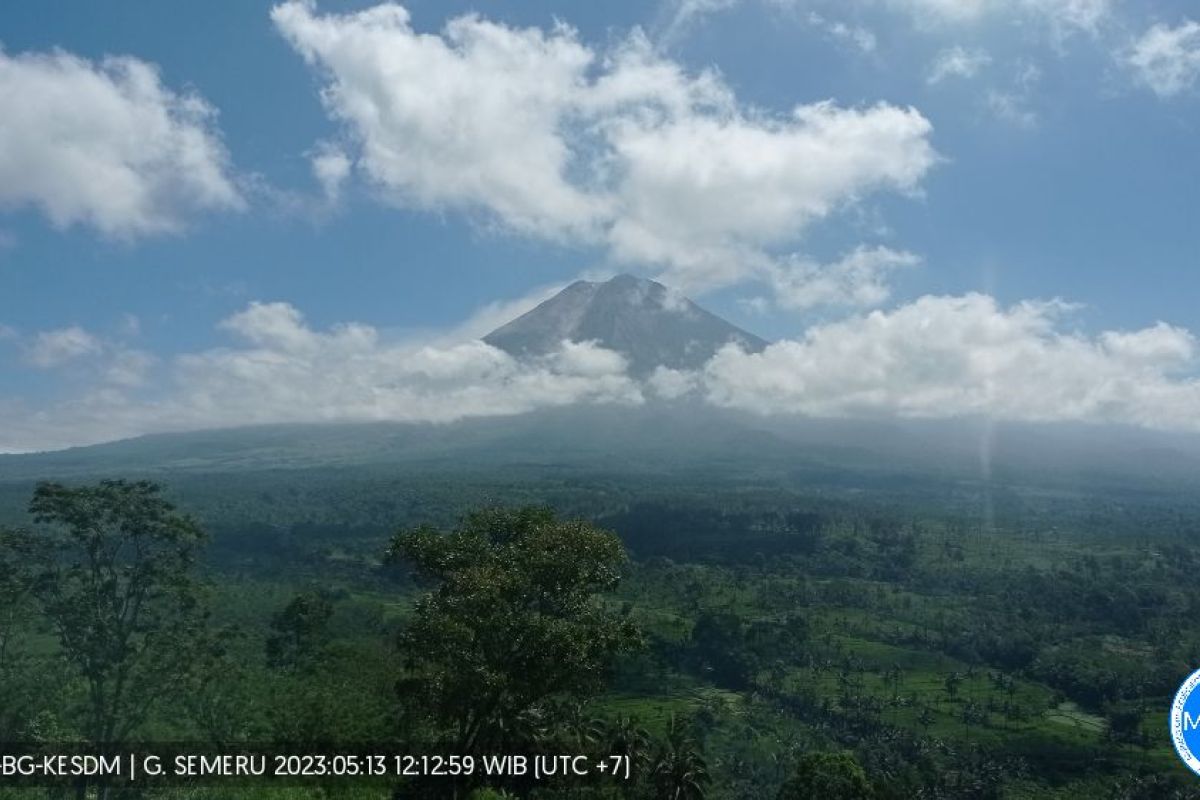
x: 580, y: 730
x: 630, y: 740
x: 679, y: 771
x: 518, y: 731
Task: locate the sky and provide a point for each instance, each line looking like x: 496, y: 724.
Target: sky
x: 238, y: 212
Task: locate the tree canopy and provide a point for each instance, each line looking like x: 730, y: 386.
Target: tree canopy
x: 513, y: 624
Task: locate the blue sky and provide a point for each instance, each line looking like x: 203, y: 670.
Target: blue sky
x: 984, y: 157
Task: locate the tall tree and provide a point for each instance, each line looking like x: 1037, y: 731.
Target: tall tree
x: 299, y: 630
x: 513, y: 624
x: 23, y: 682
x: 111, y: 569
x: 679, y: 771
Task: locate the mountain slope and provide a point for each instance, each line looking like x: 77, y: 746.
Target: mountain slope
x: 665, y: 441
x: 638, y: 318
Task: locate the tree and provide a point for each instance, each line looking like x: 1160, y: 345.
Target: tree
x: 111, y: 570
x: 829, y: 776
x: 513, y: 624
x: 626, y: 737
x: 23, y: 682
x: 299, y: 629
x: 1124, y: 724
x: 951, y: 684
x: 679, y: 771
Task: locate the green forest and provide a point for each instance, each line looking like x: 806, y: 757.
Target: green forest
x: 720, y: 639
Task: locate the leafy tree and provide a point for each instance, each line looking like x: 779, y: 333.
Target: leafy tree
x: 1124, y: 724
x: 829, y: 776
x: 21, y: 685
x: 513, y: 625
x: 111, y: 570
x: 299, y: 629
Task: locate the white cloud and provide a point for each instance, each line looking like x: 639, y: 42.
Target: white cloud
x: 686, y: 13
x: 1014, y: 104
x: 1167, y: 60
x: 942, y: 11
x: 623, y: 149
x: 107, y: 145
x: 587, y: 360
x: 858, y: 279
x: 1053, y: 21
x: 1067, y: 15
x: 331, y: 167
x: 57, y: 347
x: 349, y: 373
x: 128, y: 368
x: 937, y: 357
x: 1062, y: 16
x: 957, y: 62
x: 279, y: 369
x: 1012, y: 108
x: 672, y: 384
x: 956, y: 356
x: 466, y: 120
x: 88, y: 355
x: 1162, y: 345
x: 857, y: 36
x: 705, y: 198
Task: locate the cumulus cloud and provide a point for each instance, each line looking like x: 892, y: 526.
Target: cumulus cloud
x: 280, y: 369
x: 107, y: 145
x: 466, y: 120
x: 957, y: 62
x: 349, y: 373
x: 1166, y: 59
x: 961, y: 356
x: 538, y: 133
x: 936, y: 357
x: 858, y: 279
x: 706, y: 198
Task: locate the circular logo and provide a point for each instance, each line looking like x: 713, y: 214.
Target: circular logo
x: 1185, y: 722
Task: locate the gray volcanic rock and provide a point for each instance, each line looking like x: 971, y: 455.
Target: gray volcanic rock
x: 638, y: 318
